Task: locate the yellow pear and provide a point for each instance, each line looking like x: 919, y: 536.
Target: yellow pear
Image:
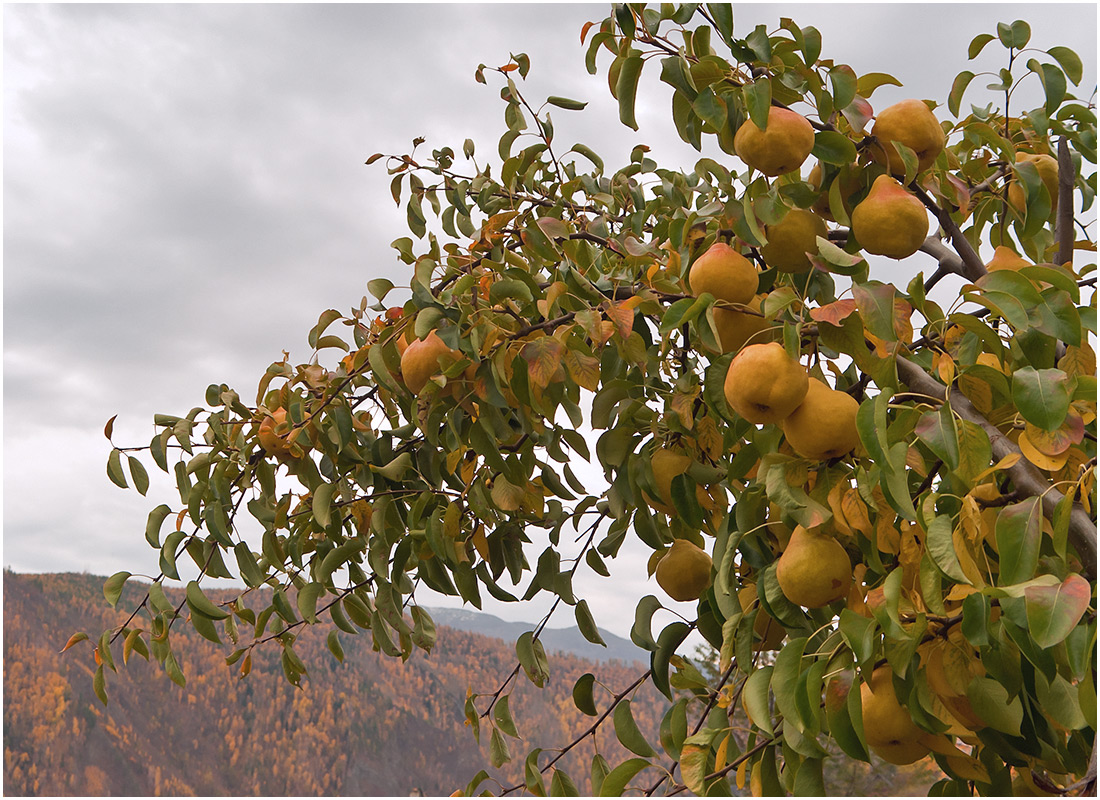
x: 849, y: 185
x: 1005, y: 257
x: 1047, y: 167
x: 912, y: 123
x: 887, y: 726
x: 684, y: 571
x: 780, y: 148
x: 724, y: 273
x: 890, y: 221
x: 736, y: 329
x: 814, y: 569
x: 420, y: 361
x: 764, y: 384
x: 824, y: 425
x: 767, y: 630
x: 666, y: 465
x: 790, y: 239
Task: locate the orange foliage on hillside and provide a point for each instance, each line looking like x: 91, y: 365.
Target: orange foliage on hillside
x: 368, y: 726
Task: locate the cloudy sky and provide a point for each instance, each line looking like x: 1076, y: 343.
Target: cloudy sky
x: 185, y: 192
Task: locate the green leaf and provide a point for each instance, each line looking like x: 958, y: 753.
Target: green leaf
x: 112, y: 587
x: 498, y: 750
x: 758, y: 101
x: 582, y: 694
x: 532, y: 657
x: 1018, y: 533
x: 991, y: 703
x: 587, y: 624
x: 755, y: 697
x: 114, y: 469
x: 978, y: 43
x: 561, y: 785
x: 616, y: 780
x: 379, y: 287
x: 667, y: 642
x: 307, y: 600
x: 870, y: 81
x: 99, y: 685
x: 588, y: 153
x: 502, y: 715
x: 941, y: 548
x: 1015, y: 35
x: 566, y: 103
x: 838, y: 702
x: 332, y: 641
x: 958, y: 88
x: 140, y: 476
x: 626, y: 89
x: 844, y: 83
x: 199, y: 603
x: 784, y: 682
x: 833, y: 147
x: 1054, y: 611
x: 937, y: 430
x: 628, y: 733
x: 1042, y: 396
x: 1069, y: 61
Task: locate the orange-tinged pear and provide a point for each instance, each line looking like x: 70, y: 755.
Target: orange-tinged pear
x: 764, y: 384
x: 824, y: 425
x: 420, y: 361
x: 684, y: 571
x: 814, y: 569
x: 912, y: 123
x: 790, y: 239
x: 724, y: 273
x: 890, y: 221
x: 780, y: 148
x: 273, y: 434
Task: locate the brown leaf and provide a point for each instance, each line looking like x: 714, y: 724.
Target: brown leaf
x: 833, y: 313
x: 622, y: 316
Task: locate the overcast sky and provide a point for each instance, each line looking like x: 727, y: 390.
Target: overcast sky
x: 185, y: 192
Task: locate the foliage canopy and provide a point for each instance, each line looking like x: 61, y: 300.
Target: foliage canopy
x: 550, y: 319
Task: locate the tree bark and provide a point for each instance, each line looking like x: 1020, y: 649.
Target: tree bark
x: 1025, y: 477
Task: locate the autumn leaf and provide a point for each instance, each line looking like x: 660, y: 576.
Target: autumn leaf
x: 543, y: 357
x: 833, y: 313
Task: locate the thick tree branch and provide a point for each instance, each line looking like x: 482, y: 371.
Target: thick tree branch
x: 1026, y: 479
x: 973, y: 268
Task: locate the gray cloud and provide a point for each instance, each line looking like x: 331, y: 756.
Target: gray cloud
x: 185, y: 193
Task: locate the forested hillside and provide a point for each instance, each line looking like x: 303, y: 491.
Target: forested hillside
x: 368, y: 726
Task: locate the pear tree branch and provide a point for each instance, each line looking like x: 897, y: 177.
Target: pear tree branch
x: 1027, y: 480
x: 972, y: 265
x: 1064, y: 225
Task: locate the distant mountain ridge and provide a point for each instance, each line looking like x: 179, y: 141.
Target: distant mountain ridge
x: 564, y: 640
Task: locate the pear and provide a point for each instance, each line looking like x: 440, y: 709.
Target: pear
x: 790, y: 239
x: 890, y: 221
x: 764, y: 384
x: 849, y: 185
x: 887, y: 726
x: 781, y: 147
x: 736, y: 329
x: 666, y: 465
x: 273, y: 434
x: 1047, y: 167
x: 814, y: 569
x: 420, y: 361
x: 912, y: 123
x: 1005, y: 257
x: 769, y: 632
x: 824, y: 425
x: 724, y: 273
x: 684, y: 571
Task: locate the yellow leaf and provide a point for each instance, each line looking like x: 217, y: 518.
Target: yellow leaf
x: 855, y: 512
x: 945, y: 367
x: 836, y: 503
x: 1038, y: 457
x: 708, y: 437
x: 977, y: 392
x: 507, y: 496
x: 544, y: 357
x: 1007, y: 462
x: 555, y: 290
x: 622, y: 316
x: 682, y: 405
x: 965, y: 556
x: 1078, y: 361
x: 583, y: 369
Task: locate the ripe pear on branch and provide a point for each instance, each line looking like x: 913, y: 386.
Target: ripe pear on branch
x: 823, y: 426
x: 887, y: 726
x: 781, y: 147
x: 814, y: 569
x: 890, y: 221
x: 764, y: 384
x: 725, y: 273
x: 684, y: 571
x: 738, y: 328
x: 421, y: 360
x: 1047, y: 167
x: 912, y: 123
x: 790, y: 239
